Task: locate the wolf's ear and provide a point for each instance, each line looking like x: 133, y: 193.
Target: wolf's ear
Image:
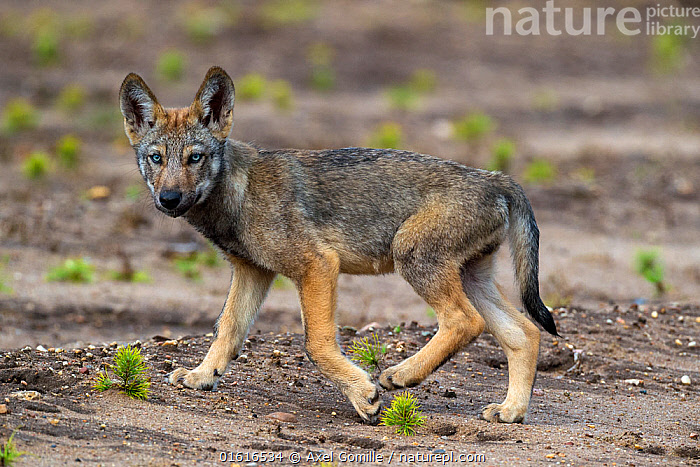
x: 139, y: 107
x: 214, y: 102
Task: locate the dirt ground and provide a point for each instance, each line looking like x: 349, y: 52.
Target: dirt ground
x: 623, y: 138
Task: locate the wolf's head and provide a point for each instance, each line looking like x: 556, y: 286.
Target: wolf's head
x: 180, y: 152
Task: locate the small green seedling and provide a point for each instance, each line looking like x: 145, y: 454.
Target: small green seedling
x: 277, y: 13
x: 397, y: 329
x: 202, y: 25
x: 282, y: 283
x: 423, y: 81
x: 189, y: 268
x: 402, y: 98
x: 45, y: 48
x: 404, y: 414
x: 135, y: 277
x: 68, y: 151
x: 36, y: 166
x: 501, y: 155
x: 171, y: 65
x: 649, y: 265
x: 388, y: 135
x: 133, y: 192
x: 367, y: 353
x: 667, y: 51
x: 251, y: 87
x: 9, y: 453
x: 19, y: 115
x: 540, y: 171
x: 130, y: 371
x: 473, y: 127
x: 320, y: 58
x: 281, y: 94
x: 78, y: 271
x: 71, y: 98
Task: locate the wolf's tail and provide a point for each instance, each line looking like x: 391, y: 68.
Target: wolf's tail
x: 524, y: 239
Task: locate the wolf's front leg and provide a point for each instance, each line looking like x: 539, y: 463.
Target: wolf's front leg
x: 249, y: 286
x: 317, y: 293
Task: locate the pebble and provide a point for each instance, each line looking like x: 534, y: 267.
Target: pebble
x: 678, y: 342
x: 692, y: 344
x: 3, y: 409
x: 282, y: 417
x: 685, y: 380
x: 693, y: 436
x: 654, y: 314
x: 243, y: 358
x: 84, y: 370
x: 26, y: 395
x: 41, y: 348
x: 634, y: 382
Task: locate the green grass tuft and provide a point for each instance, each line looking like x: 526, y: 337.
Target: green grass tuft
x: 9, y: 453
x: 71, y: 98
x: 404, y: 414
x: 251, y: 87
x: 277, y: 13
x: 473, y: 127
x: 130, y: 372
x: 281, y: 93
x: 78, y: 271
x: 19, y: 115
x: 667, y: 53
x: 501, y: 155
x: 540, y: 171
x: 68, y: 151
x: 387, y: 136
x: 171, y: 65
x: 402, y: 97
x: 367, y: 353
x: 45, y: 48
x: 423, y: 81
x: 36, y: 166
x: 320, y: 57
x: 649, y: 265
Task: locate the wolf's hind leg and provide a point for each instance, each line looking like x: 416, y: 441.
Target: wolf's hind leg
x: 517, y: 335
x: 458, y: 324
x: 249, y: 286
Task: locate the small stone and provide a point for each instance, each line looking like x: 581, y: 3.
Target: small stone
x: 692, y: 344
x: 550, y: 456
x: 26, y: 395
x: 654, y: 314
x: 98, y: 192
x: 54, y: 421
x: 84, y: 370
x: 678, y: 342
x: 41, y: 348
x: 3, y: 409
x: 276, y: 353
x: 634, y: 382
x: 243, y: 358
x: 450, y: 393
x: 170, y: 343
x: 369, y: 327
x: 685, y: 379
x: 693, y: 436
x: 282, y: 417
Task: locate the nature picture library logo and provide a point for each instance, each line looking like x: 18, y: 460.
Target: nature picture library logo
x: 660, y: 19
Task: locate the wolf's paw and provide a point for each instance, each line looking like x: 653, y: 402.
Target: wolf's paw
x: 399, y: 376
x: 365, y: 398
x: 195, y: 379
x: 504, y: 413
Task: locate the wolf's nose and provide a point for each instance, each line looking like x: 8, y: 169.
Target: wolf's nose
x: 170, y: 199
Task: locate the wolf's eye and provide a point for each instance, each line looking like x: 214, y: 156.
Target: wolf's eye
x: 156, y: 158
x: 196, y: 157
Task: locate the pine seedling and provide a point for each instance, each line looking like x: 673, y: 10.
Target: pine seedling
x: 130, y: 371
x: 367, y: 353
x: 404, y: 414
x: 9, y: 453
